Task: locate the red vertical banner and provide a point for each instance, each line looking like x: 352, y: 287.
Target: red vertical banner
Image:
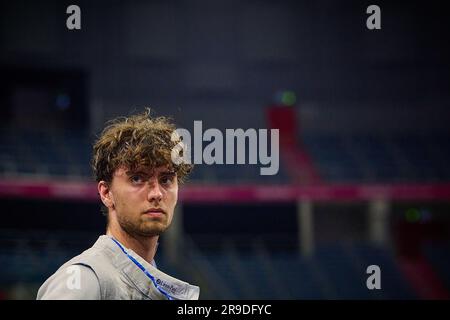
x: 296, y: 158
x: 284, y: 118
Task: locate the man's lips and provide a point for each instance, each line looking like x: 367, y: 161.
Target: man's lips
x: 154, y: 212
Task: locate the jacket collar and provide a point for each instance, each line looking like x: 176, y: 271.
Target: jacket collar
x: 175, y: 288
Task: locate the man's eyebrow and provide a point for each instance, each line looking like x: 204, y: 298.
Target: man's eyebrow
x: 145, y: 173
x: 132, y: 172
x: 168, y: 173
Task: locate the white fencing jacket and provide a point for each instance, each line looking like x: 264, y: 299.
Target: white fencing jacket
x: 105, y: 272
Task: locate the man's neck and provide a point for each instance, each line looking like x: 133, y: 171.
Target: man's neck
x: 145, y: 247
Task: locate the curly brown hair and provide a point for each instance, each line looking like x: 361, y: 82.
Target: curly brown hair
x: 134, y: 142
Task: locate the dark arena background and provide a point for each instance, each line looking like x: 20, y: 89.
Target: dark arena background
x: 363, y: 117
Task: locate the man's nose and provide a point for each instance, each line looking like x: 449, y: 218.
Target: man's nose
x: 154, y: 192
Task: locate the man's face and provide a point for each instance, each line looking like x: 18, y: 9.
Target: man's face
x: 144, y: 200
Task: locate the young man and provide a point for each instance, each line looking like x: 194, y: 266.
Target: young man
x: 138, y: 185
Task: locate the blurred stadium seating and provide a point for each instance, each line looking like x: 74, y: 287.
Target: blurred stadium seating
x: 333, y: 272
x: 381, y: 158
x: 364, y: 161
x: 360, y: 158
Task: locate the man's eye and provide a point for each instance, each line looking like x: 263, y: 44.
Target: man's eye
x: 167, y: 180
x: 137, y: 179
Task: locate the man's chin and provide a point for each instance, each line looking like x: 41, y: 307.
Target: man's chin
x: 153, y: 230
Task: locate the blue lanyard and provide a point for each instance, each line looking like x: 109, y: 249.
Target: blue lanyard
x: 140, y: 266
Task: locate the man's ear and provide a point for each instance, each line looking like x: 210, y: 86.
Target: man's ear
x: 105, y: 194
